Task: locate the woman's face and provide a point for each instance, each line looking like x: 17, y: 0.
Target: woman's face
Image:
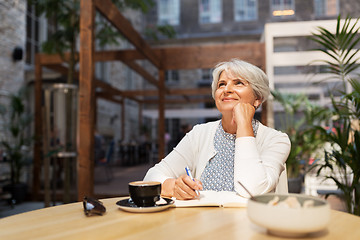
x: 233, y: 90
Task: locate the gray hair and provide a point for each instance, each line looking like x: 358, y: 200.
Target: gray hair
x: 257, y: 79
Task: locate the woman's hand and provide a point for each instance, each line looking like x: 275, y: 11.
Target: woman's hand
x: 182, y: 188
x: 243, y: 114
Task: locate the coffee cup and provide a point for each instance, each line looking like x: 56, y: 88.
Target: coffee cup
x: 145, y: 193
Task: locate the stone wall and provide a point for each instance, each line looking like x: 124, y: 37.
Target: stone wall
x: 12, y: 34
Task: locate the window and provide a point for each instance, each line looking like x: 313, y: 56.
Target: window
x: 169, y: 12
x: 283, y: 8
x: 172, y: 76
x: 32, y: 35
x: 245, y: 10
x: 210, y: 11
x: 37, y: 30
x: 325, y: 8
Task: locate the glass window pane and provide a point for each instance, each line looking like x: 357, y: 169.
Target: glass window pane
x: 169, y: 12
x: 210, y: 11
x: 245, y: 10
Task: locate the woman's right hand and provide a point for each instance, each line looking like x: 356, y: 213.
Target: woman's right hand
x: 182, y: 188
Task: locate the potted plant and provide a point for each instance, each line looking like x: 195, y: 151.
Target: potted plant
x: 342, y: 162
x: 16, y: 143
x: 298, y: 118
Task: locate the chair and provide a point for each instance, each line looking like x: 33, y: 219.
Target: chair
x: 282, y: 186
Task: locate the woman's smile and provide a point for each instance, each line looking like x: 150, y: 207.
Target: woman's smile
x: 229, y: 99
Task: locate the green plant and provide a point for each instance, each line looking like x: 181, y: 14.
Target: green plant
x: 342, y: 162
x: 299, y: 117
x: 16, y: 142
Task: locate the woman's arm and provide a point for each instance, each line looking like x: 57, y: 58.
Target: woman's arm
x: 259, y: 165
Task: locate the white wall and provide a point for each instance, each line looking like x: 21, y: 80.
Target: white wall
x: 299, y: 58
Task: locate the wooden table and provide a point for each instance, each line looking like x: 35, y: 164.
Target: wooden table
x: 69, y: 222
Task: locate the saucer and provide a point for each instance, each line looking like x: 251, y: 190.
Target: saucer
x: 128, y: 205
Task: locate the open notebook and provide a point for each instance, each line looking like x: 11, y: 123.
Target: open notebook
x: 214, y: 199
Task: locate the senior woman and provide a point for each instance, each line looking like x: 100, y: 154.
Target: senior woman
x: 235, y: 148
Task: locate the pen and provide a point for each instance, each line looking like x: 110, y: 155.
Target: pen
x: 188, y: 172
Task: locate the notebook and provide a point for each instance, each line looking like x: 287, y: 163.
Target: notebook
x: 214, y: 199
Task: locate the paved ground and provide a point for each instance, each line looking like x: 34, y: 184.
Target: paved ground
x: 121, y: 176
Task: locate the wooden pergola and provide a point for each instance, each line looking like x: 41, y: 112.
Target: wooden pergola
x: 163, y: 58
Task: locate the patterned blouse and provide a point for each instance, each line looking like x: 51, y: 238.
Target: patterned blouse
x: 218, y: 174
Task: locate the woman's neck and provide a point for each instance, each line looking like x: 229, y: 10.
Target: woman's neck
x: 228, y: 124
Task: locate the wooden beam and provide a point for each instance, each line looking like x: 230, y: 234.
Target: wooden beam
x: 142, y: 72
x: 86, y: 129
x: 191, y: 91
x: 118, y: 55
x: 202, y: 57
x: 61, y: 69
x: 171, y: 91
x: 108, y: 97
x: 181, y: 101
x: 195, y: 57
x: 113, y: 15
x: 38, y: 156
x: 51, y: 59
x: 148, y: 93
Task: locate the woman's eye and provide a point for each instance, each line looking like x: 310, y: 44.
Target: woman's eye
x: 221, y: 84
x: 239, y: 83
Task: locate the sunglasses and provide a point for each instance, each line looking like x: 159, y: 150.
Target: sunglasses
x: 93, y: 206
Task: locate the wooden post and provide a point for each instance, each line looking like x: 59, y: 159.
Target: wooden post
x: 161, y: 122
x: 86, y: 101
x: 38, y: 129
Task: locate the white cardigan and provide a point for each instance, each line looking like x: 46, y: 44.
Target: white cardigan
x: 258, y: 161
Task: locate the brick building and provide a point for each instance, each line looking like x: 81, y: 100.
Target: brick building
x: 237, y: 21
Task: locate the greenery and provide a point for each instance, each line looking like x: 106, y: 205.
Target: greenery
x: 299, y: 117
x: 16, y: 142
x: 342, y: 161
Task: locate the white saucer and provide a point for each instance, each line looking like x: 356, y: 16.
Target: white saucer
x: 128, y: 205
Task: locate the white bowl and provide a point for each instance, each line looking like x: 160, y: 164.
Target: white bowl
x: 289, y: 222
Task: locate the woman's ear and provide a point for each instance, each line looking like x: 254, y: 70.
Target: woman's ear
x: 257, y: 103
